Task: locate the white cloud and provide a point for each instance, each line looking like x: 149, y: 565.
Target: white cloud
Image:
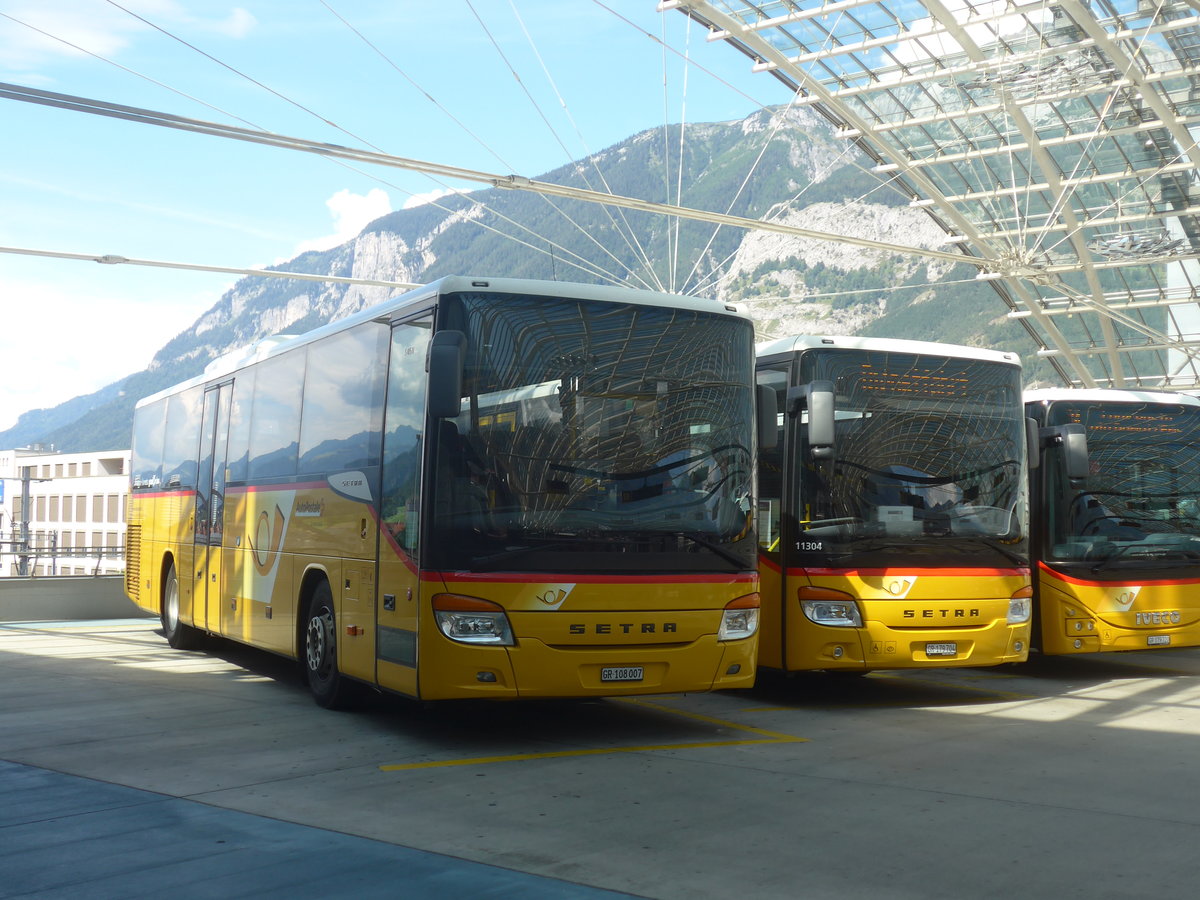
x: 238, y: 25
x: 46, y: 31
x: 421, y: 199
x: 29, y: 41
x: 351, y: 213
x: 73, y: 337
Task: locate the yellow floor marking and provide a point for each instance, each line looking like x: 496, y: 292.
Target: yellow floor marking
x: 724, y: 723
x: 768, y: 737
x: 596, y: 751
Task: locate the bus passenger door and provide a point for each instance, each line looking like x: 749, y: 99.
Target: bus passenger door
x: 209, y: 523
x: 399, y: 582
x: 773, y: 478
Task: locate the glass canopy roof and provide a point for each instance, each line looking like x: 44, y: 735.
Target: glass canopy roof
x: 1055, y: 142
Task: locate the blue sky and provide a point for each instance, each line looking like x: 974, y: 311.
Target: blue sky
x: 77, y: 183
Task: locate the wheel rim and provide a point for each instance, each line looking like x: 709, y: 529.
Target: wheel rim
x: 171, y: 608
x: 320, y: 644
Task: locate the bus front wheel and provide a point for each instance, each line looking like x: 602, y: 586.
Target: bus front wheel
x: 178, y: 635
x: 326, y: 683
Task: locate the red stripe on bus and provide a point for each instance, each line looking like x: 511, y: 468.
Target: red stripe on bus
x: 1124, y: 580
x: 263, y: 488
x: 577, y: 578
x: 948, y: 572
x: 770, y: 564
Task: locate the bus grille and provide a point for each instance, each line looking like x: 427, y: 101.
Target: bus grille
x: 133, y: 559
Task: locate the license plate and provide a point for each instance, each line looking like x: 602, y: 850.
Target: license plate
x: 621, y: 673
x: 1158, y: 640
x: 948, y: 649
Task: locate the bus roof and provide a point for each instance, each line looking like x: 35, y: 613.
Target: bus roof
x: 401, y: 304
x: 1108, y: 395
x: 800, y: 342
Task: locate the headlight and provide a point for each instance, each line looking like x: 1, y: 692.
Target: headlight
x: 1020, y: 606
x: 829, y: 607
x: 740, y: 618
x: 472, y: 620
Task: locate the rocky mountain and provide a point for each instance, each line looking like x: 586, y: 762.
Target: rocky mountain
x: 783, y: 165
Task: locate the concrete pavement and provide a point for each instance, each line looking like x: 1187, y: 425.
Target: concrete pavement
x: 1063, y: 778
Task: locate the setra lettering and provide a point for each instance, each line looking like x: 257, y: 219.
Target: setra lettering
x: 625, y: 628
x: 941, y: 614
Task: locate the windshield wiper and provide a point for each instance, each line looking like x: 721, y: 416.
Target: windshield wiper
x: 513, y: 553
x: 726, y: 555
x: 990, y: 543
x: 1150, y: 554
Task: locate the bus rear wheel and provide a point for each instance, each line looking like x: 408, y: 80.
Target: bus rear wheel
x: 325, y: 682
x: 178, y: 635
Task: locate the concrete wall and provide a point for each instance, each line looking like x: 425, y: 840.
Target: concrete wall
x: 64, y: 597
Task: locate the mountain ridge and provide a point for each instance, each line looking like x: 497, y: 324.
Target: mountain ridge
x: 800, y: 172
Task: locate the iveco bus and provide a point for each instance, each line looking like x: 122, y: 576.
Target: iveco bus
x: 1116, y: 520
x: 892, y: 506
x: 482, y: 488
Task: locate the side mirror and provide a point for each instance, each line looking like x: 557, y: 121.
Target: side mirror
x: 1033, y: 445
x: 767, y: 409
x: 818, y: 397
x: 1072, y: 439
x: 447, y: 356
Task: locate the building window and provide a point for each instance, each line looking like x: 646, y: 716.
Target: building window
x: 58, y: 470
x: 71, y: 469
x: 87, y: 469
x: 53, y: 517
x: 81, y: 508
x: 66, y: 509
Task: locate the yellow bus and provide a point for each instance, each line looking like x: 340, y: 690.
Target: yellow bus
x: 482, y: 488
x: 1116, y: 520
x: 892, y: 516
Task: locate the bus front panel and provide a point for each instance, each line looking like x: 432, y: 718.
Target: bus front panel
x: 909, y: 619
x: 593, y: 636
x: 1087, y: 616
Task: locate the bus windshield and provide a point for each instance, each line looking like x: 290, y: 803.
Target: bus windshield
x: 595, y: 436
x: 927, y: 465
x: 1140, y: 503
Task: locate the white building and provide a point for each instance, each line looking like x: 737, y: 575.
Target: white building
x: 76, y: 512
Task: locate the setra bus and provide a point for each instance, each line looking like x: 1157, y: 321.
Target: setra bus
x: 1116, y: 520
x: 892, y: 519
x: 481, y: 488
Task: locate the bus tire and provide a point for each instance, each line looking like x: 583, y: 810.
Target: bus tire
x: 319, y: 656
x: 178, y: 635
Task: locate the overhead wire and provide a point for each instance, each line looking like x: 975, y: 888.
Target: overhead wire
x: 498, y: 181
x: 488, y: 148
x: 633, y: 242
x: 579, y: 262
x: 545, y: 120
x: 509, y: 182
